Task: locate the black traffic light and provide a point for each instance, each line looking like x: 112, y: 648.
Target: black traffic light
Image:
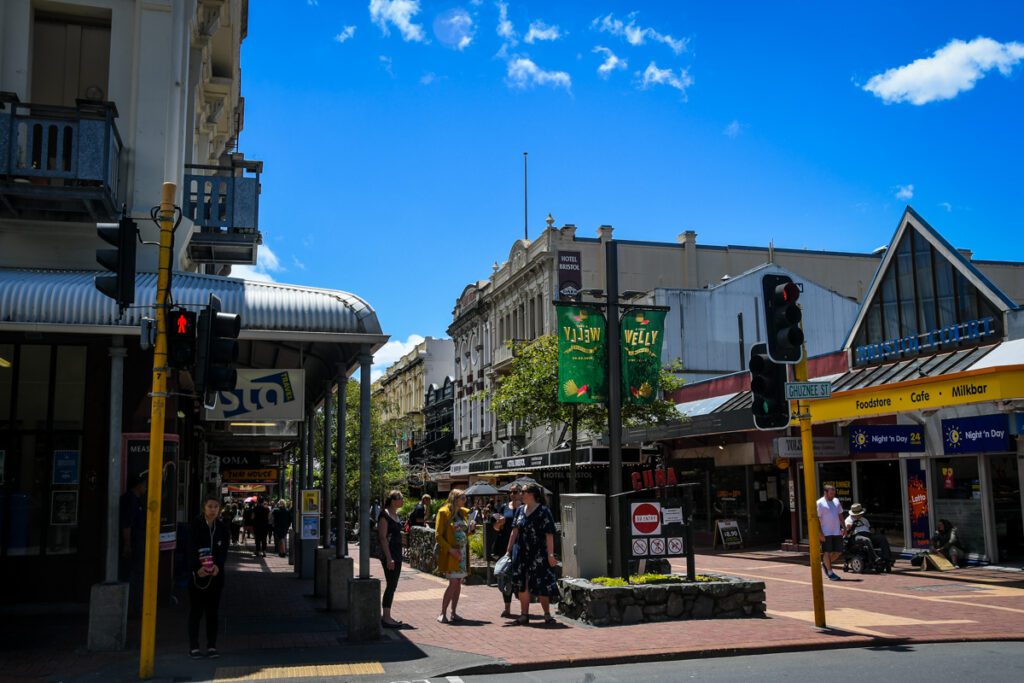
x: 217, y: 349
x: 181, y: 339
x: 768, y: 385
x: 120, y: 261
x: 782, y: 318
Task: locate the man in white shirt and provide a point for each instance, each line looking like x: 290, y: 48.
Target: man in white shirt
x: 830, y: 521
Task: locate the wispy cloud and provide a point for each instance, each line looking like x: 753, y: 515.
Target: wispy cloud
x: 611, y: 62
x: 386, y: 64
x: 541, y: 31
x: 267, y: 264
x: 951, y: 70
x: 297, y: 263
x: 947, y: 206
x: 523, y: 73
x: 454, y: 28
x: 312, y: 3
x: 654, y: 76
x: 390, y: 353
x: 637, y: 35
x: 346, y: 33
x: 905, y: 192
x: 398, y: 13
x: 733, y: 130
x: 505, y: 30
x: 428, y: 78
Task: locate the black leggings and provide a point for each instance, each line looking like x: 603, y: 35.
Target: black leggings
x: 204, y: 602
x: 261, y: 539
x: 391, y: 582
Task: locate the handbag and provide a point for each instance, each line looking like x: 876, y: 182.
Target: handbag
x: 375, y: 549
x: 503, y: 566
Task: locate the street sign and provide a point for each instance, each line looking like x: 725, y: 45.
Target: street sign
x: 803, y: 391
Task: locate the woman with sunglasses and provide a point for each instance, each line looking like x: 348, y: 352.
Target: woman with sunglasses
x: 533, y: 539
x: 452, y: 532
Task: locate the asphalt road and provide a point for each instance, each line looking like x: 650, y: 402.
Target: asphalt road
x: 926, y: 663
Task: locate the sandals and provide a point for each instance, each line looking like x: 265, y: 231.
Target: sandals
x: 548, y: 619
x: 442, y: 619
x: 455, y: 618
x: 522, y: 620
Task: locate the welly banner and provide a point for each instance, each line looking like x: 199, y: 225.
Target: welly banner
x: 581, y: 354
x: 642, y: 333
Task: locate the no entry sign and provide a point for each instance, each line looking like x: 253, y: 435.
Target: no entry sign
x: 645, y: 518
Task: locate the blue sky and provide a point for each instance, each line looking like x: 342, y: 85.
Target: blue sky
x: 392, y: 132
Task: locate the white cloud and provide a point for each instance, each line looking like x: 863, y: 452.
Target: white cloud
x: 400, y: 13
x: 267, y: 264
x: 541, y: 31
x: 637, y: 35
x: 523, y: 73
x: 386, y: 62
x: 733, y: 130
x: 611, y: 62
x: 505, y: 28
x: 905, y: 192
x: 428, y: 78
x: 654, y: 76
x: 390, y: 353
x: 454, y: 28
x: 298, y: 264
x: 953, y: 69
x: 312, y: 3
x: 947, y: 206
x: 345, y: 34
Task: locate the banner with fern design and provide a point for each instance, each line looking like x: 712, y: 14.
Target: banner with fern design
x: 642, y: 333
x: 581, y: 354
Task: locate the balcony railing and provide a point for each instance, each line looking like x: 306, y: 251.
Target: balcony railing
x: 225, y: 203
x: 59, y: 162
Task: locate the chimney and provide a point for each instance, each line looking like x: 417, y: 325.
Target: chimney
x: 568, y: 231
x: 967, y: 254
x: 605, y: 232
x: 689, y: 241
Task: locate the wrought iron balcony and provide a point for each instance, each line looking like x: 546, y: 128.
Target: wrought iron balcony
x: 224, y: 202
x: 59, y: 163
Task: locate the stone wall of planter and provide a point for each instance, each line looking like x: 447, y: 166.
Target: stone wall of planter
x: 730, y: 597
x: 419, y: 549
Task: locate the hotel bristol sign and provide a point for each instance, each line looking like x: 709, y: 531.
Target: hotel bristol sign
x: 928, y: 342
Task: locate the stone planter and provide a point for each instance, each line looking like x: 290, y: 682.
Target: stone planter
x: 599, y: 605
x: 419, y: 549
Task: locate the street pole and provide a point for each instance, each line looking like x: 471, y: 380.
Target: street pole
x: 328, y: 438
x: 156, y: 436
x: 572, y: 447
x: 365, y: 361
x: 614, y: 406
x: 342, y: 549
x: 810, y: 494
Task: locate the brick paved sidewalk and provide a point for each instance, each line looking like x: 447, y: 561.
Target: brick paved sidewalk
x: 269, y: 618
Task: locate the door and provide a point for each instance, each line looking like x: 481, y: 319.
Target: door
x: 70, y: 60
x: 1006, y: 507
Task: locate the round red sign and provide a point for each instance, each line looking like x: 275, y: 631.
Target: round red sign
x: 646, y: 518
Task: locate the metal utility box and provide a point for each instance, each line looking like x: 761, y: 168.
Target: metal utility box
x: 584, y: 543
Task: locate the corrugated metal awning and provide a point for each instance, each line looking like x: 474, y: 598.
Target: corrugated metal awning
x: 68, y: 302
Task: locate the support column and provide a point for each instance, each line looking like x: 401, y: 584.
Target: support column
x: 108, y: 601
x: 339, y: 569
x: 325, y: 553
x: 619, y: 568
x: 308, y: 547
x: 364, y: 593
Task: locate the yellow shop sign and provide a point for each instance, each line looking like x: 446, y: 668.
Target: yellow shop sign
x: 973, y: 386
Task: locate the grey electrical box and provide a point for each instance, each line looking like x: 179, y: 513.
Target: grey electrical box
x: 584, y: 543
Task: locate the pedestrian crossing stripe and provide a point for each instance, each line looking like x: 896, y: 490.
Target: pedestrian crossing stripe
x: 232, y: 674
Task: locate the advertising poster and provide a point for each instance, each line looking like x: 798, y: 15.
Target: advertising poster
x: 570, y: 274
x: 261, y: 395
x: 311, y: 501
x: 642, y: 333
x: 310, y: 527
x: 917, y: 499
x: 581, y: 355
x: 135, y: 448
x: 64, y: 508
x: 65, y: 467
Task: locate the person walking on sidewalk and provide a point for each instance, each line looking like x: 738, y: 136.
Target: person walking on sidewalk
x: 132, y: 565
x: 452, y: 530
x: 830, y: 520
x: 208, y: 542
x: 420, y: 513
x: 507, y: 513
x: 533, y: 559
x: 261, y: 526
x: 282, y: 520
x: 389, y: 533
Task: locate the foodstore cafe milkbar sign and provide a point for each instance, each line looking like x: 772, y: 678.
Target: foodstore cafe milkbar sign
x: 973, y: 386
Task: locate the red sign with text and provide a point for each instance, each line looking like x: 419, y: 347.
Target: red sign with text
x: 645, y: 518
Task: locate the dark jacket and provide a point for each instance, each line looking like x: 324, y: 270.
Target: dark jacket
x: 217, y: 540
x: 282, y: 520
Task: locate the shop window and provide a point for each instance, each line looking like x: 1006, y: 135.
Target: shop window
x: 905, y: 284
x: 879, y: 490
x: 1006, y: 507
x: 957, y: 497
x: 945, y: 292
x: 838, y: 474
x: 69, y: 388
x: 925, y: 284
x: 33, y: 386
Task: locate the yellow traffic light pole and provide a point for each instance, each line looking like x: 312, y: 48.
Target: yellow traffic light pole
x: 810, y: 494
x: 156, y: 435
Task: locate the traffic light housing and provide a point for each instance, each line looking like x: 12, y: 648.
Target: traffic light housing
x: 181, y: 339
x: 120, y: 261
x: 782, y: 318
x: 217, y: 350
x: 768, y: 385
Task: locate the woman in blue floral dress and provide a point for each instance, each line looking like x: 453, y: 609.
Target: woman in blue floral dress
x: 533, y: 536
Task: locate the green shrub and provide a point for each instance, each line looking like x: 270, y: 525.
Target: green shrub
x: 476, y: 544
x: 609, y: 581
x: 647, y: 579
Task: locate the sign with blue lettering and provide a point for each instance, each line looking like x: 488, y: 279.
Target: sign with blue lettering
x: 984, y: 434
x: 928, y: 342
x: 65, y: 467
x: 886, y: 439
x: 261, y: 396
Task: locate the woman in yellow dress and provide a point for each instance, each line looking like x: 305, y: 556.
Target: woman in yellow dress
x: 452, y: 531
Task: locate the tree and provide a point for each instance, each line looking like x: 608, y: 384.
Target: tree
x: 528, y: 394
x: 386, y: 472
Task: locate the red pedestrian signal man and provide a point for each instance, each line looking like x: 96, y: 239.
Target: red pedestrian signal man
x: 182, y: 324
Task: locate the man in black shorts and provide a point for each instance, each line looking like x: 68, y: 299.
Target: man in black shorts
x: 830, y: 522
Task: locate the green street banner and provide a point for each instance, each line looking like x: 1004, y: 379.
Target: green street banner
x: 642, y: 333
x: 581, y: 354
